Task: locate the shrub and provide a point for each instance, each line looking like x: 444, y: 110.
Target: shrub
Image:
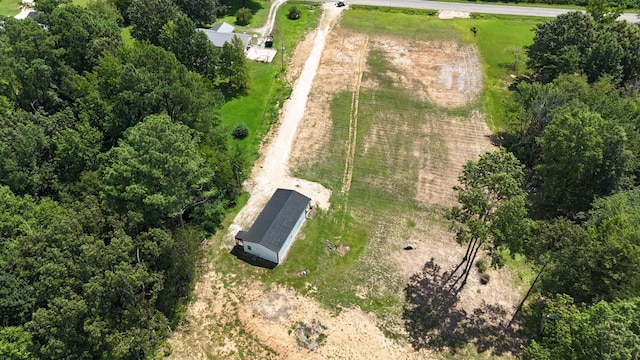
x: 294, y: 13
x: 484, y: 278
x: 482, y: 266
x: 243, y: 16
x: 240, y: 131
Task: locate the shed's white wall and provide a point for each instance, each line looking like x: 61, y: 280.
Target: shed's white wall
x: 261, y: 251
x: 287, y: 244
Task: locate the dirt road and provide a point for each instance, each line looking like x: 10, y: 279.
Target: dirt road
x: 272, y: 171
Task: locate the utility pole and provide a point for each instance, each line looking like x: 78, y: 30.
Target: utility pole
x: 282, y: 55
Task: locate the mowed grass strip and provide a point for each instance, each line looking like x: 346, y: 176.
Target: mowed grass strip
x: 500, y: 40
x: 9, y: 7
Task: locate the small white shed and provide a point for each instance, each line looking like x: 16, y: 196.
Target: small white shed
x: 273, y: 232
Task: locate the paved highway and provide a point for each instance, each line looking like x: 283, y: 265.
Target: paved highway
x: 477, y: 8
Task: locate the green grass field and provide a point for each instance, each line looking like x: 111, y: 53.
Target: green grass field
x: 9, y: 7
x: 259, y: 9
x: 501, y: 40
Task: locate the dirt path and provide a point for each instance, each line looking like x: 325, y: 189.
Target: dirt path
x: 272, y: 171
x: 271, y: 19
x: 27, y: 7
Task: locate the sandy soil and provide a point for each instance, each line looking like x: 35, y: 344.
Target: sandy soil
x: 449, y: 14
x: 229, y: 319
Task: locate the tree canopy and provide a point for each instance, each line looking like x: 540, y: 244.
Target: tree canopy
x: 157, y: 171
x: 601, y: 331
x: 113, y: 167
x: 576, y: 43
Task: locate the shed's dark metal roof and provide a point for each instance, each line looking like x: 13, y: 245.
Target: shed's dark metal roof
x: 277, y: 219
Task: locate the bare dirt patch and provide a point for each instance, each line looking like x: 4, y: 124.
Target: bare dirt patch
x: 339, y: 70
x: 446, y: 146
x: 446, y: 73
x: 450, y: 14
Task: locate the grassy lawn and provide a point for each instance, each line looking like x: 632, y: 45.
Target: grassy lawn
x: 259, y: 109
x: 500, y: 40
x: 9, y: 7
x: 125, y: 32
x: 259, y: 9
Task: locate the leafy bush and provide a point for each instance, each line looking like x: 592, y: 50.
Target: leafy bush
x: 482, y: 266
x: 484, y: 278
x: 243, y: 16
x: 294, y: 13
x: 240, y: 131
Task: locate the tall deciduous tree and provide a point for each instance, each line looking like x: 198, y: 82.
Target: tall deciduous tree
x: 15, y: 343
x: 583, y: 156
x: 192, y: 48
x: 141, y: 81
x: 83, y: 34
x: 234, y: 69
x: 202, y: 12
x: 601, y: 261
x: 156, y: 170
x: 26, y: 153
x: 149, y: 16
x: 492, y: 204
x: 36, y: 78
x: 560, y: 45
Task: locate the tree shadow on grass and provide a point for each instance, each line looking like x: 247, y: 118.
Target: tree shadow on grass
x: 253, y: 6
x: 433, y: 321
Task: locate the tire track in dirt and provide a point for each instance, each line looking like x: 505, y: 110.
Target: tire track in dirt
x: 353, y: 119
x: 353, y: 128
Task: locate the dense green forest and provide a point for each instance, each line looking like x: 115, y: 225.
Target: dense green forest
x: 563, y: 190
x: 113, y: 168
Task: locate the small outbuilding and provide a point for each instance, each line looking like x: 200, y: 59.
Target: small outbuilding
x: 273, y: 232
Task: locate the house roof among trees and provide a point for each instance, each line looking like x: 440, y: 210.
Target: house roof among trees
x: 219, y: 38
x: 277, y: 220
x: 223, y: 28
